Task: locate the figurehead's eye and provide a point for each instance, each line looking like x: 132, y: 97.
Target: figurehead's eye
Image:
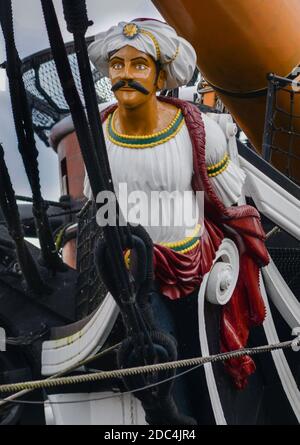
x: 141, y: 67
x: 116, y: 66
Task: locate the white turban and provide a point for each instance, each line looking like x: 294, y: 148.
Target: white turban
x: 159, y: 40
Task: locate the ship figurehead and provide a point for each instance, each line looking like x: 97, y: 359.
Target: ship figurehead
x: 156, y: 143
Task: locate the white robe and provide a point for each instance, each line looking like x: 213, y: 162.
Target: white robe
x: 168, y: 167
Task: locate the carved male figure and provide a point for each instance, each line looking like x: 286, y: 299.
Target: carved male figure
x: 156, y: 143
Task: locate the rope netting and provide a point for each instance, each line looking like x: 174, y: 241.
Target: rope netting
x: 281, y: 135
x: 91, y: 290
x: 44, y: 91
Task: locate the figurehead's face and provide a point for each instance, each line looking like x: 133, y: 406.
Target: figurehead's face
x: 134, y: 77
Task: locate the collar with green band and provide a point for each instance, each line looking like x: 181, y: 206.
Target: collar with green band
x: 146, y: 141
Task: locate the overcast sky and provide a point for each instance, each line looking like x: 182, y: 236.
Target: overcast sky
x: 31, y: 37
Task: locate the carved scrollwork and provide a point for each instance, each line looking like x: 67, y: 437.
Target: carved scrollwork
x: 224, y: 274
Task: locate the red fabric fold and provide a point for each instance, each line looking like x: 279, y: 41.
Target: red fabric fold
x: 245, y: 310
x: 178, y: 275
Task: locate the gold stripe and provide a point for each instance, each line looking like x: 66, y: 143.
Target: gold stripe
x: 130, y: 30
x: 184, y: 251
x: 213, y: 166
x: 174, y: 57
x: 157, y: 48
x: 172, y: 245
x: 184, y: 241
x: 188, y: 249
x: 159, y: 133
x: 139, y: 146
x: 212, y: 175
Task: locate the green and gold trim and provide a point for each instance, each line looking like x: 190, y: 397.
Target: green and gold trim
x: 216, y: 169
x: 187, y: 244
x: 146, y: 141
x: 184, y: 246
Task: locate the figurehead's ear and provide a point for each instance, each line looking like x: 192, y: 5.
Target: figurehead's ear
x: 161, y: 80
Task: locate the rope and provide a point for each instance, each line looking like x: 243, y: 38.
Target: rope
x: 96, y: 173
x: 23, y: 392
x: 60, y: 205
x: 120, y: 373
x: 75, y: 13
x: 272, y: 232
x: 11, y: 399
x: 53, y: 215
x: 26, y: 141
x: 10, y: 211
x: 92, y: 143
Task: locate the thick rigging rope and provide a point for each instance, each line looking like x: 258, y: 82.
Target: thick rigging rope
x: 95, y: 171
x: 120, y: 373
x: 59, y: 205
x: 26, y: 142
x: 11, y: 213
x: 76, y: 17
x: 85, y: 362
x: 92, y: 145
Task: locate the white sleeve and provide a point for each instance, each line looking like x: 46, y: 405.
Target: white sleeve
x: 228, y: 183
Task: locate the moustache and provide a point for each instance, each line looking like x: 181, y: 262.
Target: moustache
x: 132, y: 84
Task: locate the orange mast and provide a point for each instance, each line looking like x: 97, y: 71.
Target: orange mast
x: 238, y: 42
